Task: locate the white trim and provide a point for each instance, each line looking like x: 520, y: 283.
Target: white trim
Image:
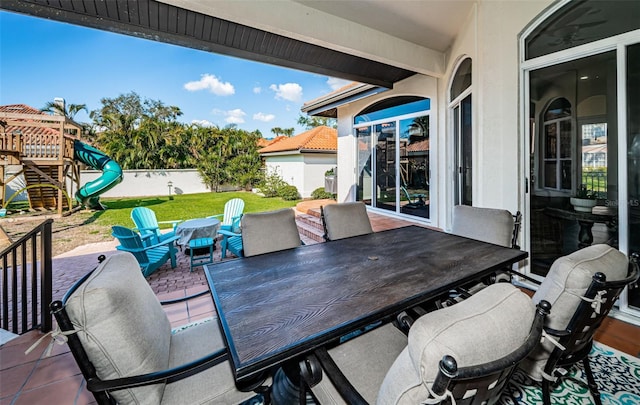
x: 533, y: 24
x: 582, y: 51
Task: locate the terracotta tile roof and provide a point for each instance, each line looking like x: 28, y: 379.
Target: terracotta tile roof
x: 20, y: 109
x: 419, y: 146
x: 26, y: 131
x: 264, y: 142
x: 319, y: 138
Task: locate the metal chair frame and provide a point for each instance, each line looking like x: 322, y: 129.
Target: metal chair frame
x: 101, y: 388
x: 577, y: 338
x: 458, y: 381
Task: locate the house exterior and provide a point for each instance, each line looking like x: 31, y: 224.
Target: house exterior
x: 505, y: 92
x: 302, y: 160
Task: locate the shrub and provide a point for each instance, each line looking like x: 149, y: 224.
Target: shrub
x: 320, y: 194
x: 289, y: 193
x: 271, y: 184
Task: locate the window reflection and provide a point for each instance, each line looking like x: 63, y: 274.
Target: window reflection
x: 393, y: 157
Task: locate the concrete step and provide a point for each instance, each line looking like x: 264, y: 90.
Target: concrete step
x: 315, y: 212
x: 310, y: 220
x: 309, y: 229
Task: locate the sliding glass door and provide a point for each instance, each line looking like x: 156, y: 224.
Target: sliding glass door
x: 393, y: 156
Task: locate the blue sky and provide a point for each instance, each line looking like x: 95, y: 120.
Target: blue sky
x: 42, y: 59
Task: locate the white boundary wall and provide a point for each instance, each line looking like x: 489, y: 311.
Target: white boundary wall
x: 135, y: 183
x: 140, y: 183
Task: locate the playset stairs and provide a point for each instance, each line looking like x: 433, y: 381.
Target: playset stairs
x: 43, y: 198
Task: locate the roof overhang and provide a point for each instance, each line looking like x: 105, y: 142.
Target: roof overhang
x: 327, y: 106
x: 163, y: 21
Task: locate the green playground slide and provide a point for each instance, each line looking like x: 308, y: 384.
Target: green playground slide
x: 89, y: 194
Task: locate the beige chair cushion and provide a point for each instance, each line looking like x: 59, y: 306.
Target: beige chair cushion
x: 212, y: 386
x: 346, y: 219
x: 487, y: 326
x: 485, y: 224
x: 365, y: 361
x: 122, y: 326
x: 568, y: 280
x: 270, y: 231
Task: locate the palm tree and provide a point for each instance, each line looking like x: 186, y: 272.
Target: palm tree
x: 277, y: 131
x: 66, y: 110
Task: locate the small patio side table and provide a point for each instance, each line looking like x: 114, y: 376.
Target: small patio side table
x: 196, y: 245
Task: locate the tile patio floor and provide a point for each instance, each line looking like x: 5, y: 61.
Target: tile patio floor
x: 35, y: 379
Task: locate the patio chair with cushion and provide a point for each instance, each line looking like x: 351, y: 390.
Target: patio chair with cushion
x: 149, y: 257
x: 127, y: 352
x: 344, y: 220
x: 270, y: 231
x: 232, y: 212
x: 147, y: 224
x: 582, y: 287
x: 487, y: 335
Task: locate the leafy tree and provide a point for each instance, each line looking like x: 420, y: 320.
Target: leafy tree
x: 140, y: 134
x: 312, y: 122
x: 245, y: 165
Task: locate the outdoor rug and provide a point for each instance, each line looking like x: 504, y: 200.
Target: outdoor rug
x: 617, y: 375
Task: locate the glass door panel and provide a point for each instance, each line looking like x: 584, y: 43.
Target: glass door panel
x: 466, y: 152
x: 414, y: 166
x: 363, y: 188
x: 633, y: 163
x: 581, y: 92
x: 385, y: 152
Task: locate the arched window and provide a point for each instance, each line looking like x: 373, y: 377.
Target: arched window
x: 462, y: 79
x: 461, y: 124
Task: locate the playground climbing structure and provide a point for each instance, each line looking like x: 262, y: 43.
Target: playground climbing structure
x: 46, y: 150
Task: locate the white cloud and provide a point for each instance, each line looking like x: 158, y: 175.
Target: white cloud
x: 264, y: 117
x: 211, y: 83
x: 203, y: 123
x: 336, y: 83
x: 235, y: 116
x: 257, y: 90
x: 287, y: 91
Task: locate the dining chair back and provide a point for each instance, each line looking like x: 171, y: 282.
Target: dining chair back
x: 344, y: 220
x: 487, y: 336
x: 149, y: 257
x: 147, y: 224
x: 269, y: 231
x: 582, y: 287
x: 123, y: 343
x: 233, y: 210
x: 485, y: 224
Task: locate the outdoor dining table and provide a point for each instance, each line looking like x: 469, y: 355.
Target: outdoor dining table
x: 280, y: 306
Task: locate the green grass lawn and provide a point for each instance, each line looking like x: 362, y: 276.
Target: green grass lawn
x: 186, y: 206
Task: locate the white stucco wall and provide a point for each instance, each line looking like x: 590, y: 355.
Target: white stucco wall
x: 304, y: 171
x: 490, y: 38
x: 496, y: 102
x: 140, y: 183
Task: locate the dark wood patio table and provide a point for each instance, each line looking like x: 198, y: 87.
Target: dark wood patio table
x: 279, y: 306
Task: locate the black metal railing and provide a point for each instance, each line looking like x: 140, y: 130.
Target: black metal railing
x: 26, y: 283
x: 595, y: 181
